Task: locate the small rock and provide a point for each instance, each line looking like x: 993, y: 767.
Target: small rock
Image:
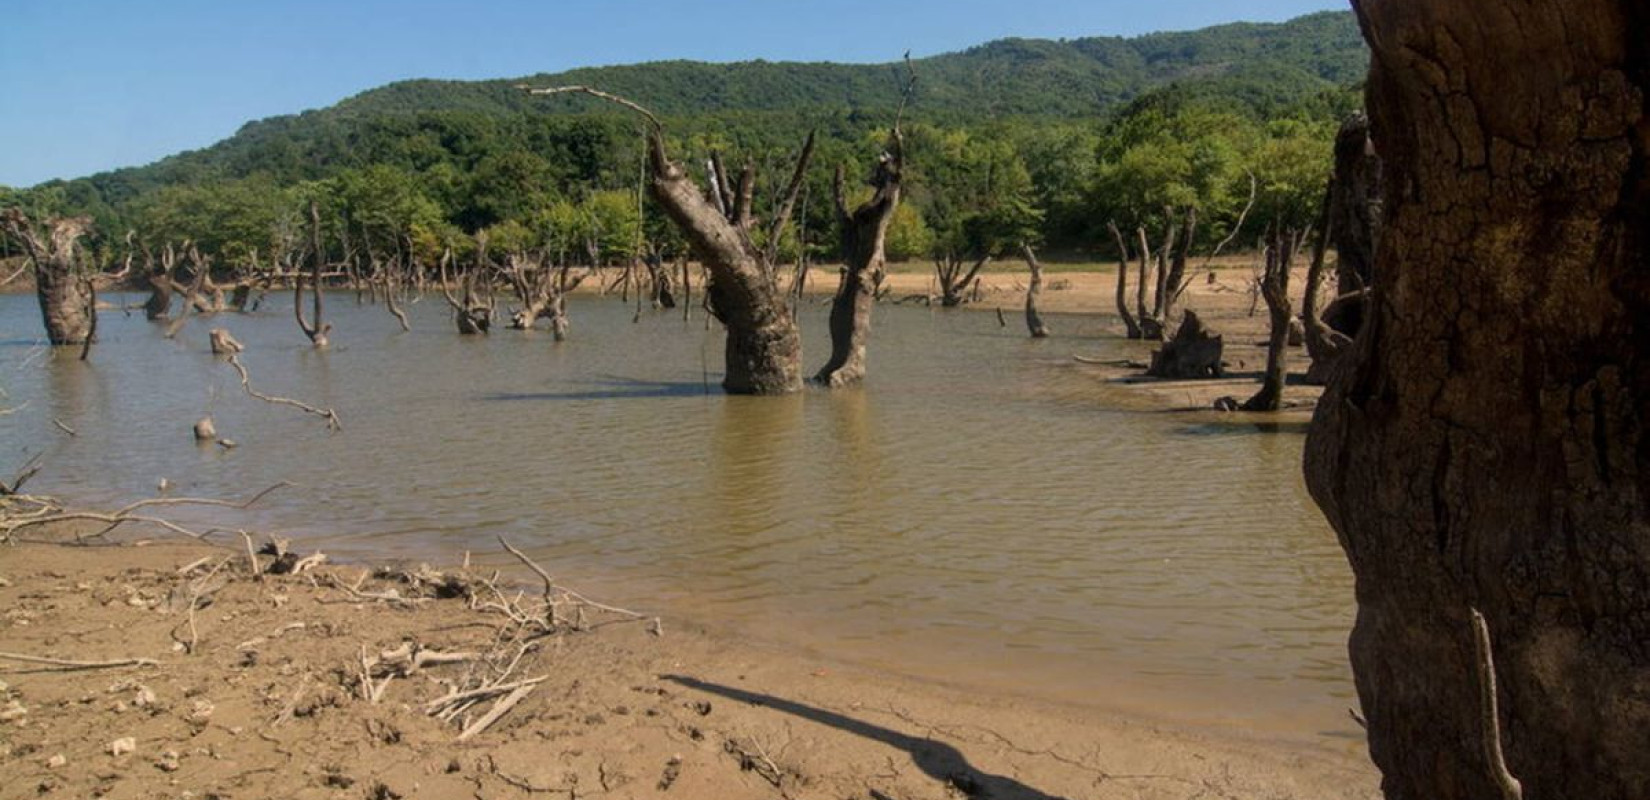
x: 202, y: 711
x: 168, y: 761
x: 122, y: 746
x: 145, y: 697
x: 205, y: 431
x: 13, y: 711
x: 227, y: 444
x: 4, y: 583
x: 56, y: 761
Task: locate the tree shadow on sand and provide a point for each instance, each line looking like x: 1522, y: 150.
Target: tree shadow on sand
x: 939, y: 760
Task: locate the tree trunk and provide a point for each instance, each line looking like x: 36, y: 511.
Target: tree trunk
x: 1355, y: 203
x: 864, y: 233
x: 1164, y: 251
x: 1149, y: 327
x: 159, y: 304
x: 1123, y: 283
x: 664, y: 295
x: 1324, y: 345
x: 65, y: 302
x: 1280, y: 257
x: 1177, y: 267
x: 764, y: 349
x: 1034, y: 321
x: 1486, y: 446
x: 64, y: 294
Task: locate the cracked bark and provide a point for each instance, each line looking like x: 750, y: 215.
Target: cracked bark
x: 1485, y: 447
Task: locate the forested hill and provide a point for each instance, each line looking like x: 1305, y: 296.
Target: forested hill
x: 1263, y: 63
x: 1016, y: 140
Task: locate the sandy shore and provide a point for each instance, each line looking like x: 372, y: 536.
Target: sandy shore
x: 264, y: 697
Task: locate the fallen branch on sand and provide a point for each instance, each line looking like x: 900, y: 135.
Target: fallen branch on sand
x: 69, y: 664
x: 47, y: 511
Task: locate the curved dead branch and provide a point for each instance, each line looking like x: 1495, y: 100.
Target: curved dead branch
x: 333, y: 423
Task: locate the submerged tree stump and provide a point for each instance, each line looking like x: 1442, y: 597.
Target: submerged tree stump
x: 1194, y: 352
x: 65, y: 294
x: 224, y: 344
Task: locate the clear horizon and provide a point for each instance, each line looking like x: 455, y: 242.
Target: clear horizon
x: 101, y: 85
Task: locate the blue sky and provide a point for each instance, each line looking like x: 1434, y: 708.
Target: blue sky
x: 89, y: 85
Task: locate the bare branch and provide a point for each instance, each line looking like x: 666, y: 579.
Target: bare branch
x: 331, y: 416
x: 70, y: 664
x: 1489, y: 710
x: 597, y: 93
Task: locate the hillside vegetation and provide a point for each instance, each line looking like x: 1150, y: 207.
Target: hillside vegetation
x: 1014, y: 140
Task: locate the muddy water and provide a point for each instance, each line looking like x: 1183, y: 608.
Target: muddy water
x: 982, y: 512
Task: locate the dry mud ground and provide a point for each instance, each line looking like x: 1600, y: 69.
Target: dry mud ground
x: 270, y: 702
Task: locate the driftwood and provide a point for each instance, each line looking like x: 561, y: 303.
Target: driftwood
x: 21, y: 512
x: 70, y: 664
x: 333, y: 423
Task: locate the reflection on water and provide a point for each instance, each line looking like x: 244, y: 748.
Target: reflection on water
x: 980, y: 511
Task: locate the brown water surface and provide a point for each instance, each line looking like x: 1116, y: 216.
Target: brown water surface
x: 983, y: 511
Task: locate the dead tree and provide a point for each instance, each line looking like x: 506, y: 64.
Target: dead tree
x: 1194, y: 352
x: 1150, y: 326
x: 1324, y: 344
x: 1355, y: 203
x: 1165, y: 252
x: 1175, y: 281
x: 542, y: 290
x: 954, y: 279
x: 1485, y: 448
x: 764, y: 349
x: 159, y: 305
x: 1281, y: 246
x: 663, y: 293
x: 315, y: 328
x: 472, y: 314
x: 864, y: 237
x: 1034, y: 321
x: 1129, y: 322
x: 65, y: 288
